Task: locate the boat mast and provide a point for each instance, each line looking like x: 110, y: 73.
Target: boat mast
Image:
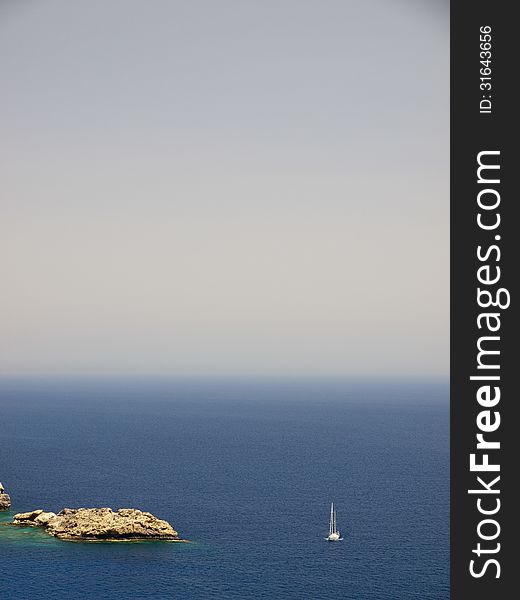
x: 331, y: 520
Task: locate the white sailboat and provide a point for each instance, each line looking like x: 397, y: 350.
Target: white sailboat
x: 334, y: 534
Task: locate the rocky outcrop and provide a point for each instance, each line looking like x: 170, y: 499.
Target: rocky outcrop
x: 34, y: 518
x: 5, y: 499
x: 99, y: 524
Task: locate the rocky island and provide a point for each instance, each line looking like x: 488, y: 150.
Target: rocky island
x: 99, y: 524
x: 5, y: 499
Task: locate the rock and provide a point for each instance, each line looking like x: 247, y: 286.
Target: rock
x: 5, y: 499
x: 44, y: 518
x: 34, y: 518
x: 27, y: 518
x: 98, y: 524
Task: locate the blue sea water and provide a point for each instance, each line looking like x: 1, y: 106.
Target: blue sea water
x: 244, y: 468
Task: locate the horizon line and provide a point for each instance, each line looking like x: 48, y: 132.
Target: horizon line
x: 163, y: 375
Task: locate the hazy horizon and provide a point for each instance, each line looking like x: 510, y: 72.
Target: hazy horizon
x: 225, y: 188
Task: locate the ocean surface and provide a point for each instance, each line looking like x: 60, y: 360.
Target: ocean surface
x: 246, y: 469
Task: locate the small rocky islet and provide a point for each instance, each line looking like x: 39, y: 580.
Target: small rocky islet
x: 95, y: 524
x: 99, y: 524
x: 5, y: 499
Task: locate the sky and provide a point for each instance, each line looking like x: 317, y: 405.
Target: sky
x: 224, y: 187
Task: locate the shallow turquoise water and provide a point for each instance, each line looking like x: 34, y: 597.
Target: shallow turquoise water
x: 30, y: 537
x: 245, y: 469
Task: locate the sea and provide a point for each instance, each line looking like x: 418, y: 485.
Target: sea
x: 244, y: 468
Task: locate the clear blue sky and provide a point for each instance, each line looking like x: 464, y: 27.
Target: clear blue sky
x: 224, y: 187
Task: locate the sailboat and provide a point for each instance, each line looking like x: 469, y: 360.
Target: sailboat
x: 334, y: 534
